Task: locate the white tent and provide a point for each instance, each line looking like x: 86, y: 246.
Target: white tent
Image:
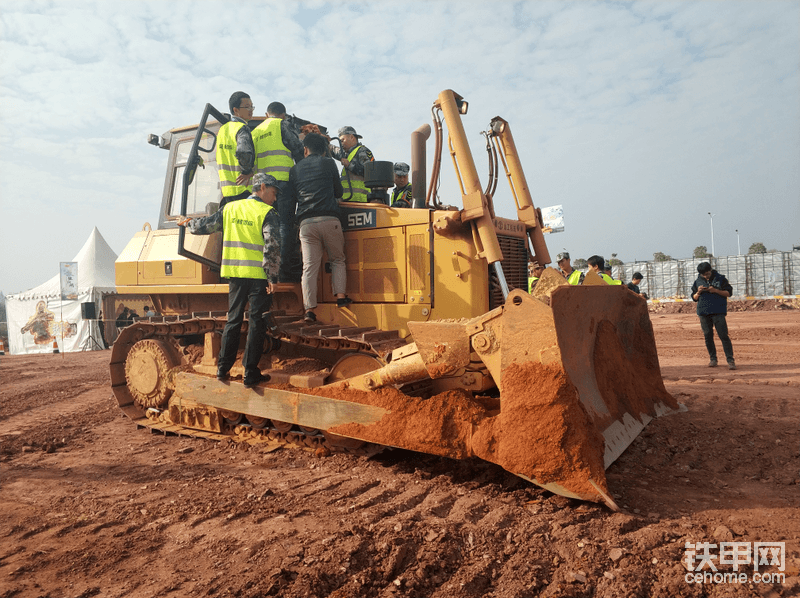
x: 38, y: 317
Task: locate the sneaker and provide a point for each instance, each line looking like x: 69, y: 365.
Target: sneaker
x: 343, y: 302
x: 712, y: 363
x: 310, y: 317
x: 255, y: 380
x: 223, y: 374
x: 731, y: 365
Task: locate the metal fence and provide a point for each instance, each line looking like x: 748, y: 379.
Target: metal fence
x: 759, y: 275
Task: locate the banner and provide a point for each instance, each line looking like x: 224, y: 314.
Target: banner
x: 553, y: 218
x: 69, y: 281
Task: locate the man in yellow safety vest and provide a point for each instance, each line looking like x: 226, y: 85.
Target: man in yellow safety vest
x: 235, y: 151
x: 401, y: 195
x: 278, y: 148
x: 250, y: 261
x: 597, y: 265
x: 353, y: 155
x: 534, y: 273
x: 574, y: 277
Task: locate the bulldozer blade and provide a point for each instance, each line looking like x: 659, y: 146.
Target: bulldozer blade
x: 578, y: 381
x: 609, y: 352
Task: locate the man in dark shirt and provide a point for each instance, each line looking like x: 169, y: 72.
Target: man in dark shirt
x: 633, y: 285
x: 315, y: 185
x: 711, y: 291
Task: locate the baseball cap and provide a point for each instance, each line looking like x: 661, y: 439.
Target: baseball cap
x: 401, y: 168
x: 564, y: 255
x: 348, y: 131
x: 262, y: 178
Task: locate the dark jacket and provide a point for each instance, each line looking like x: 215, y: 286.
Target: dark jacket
x: 314, y: 183
x: 710, y: 304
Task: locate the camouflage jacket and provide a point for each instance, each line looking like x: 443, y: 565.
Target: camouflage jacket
x: 356, y: 165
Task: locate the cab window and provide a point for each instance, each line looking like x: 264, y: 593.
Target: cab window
x: 205, y: 186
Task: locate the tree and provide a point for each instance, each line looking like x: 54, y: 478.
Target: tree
x: 580, y: 264
x: 614, y: 261
x: 701, y: 252
x: 661, y: 257
x: 757, y: 248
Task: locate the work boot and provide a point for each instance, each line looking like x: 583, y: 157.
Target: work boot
x: 731, y: 365
x: 255, y: 380
x: 713, y: 362
x: 310, y: 317
x: 223, y: 374
x: 343, y: 302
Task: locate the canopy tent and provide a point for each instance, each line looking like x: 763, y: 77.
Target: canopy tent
x: 39, y: 317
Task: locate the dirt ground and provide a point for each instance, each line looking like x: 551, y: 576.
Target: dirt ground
x: 91, y: 506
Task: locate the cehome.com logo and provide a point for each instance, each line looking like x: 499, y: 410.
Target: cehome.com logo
x: 700, y: 559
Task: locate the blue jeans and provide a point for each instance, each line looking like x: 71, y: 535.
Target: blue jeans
x: 242, y: 291
x: 708, y: 324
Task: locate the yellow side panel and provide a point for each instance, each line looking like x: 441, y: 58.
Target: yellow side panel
x: 151, y: 259
x: 461, y: 279
x: 418, y: 264
x: 126, y: 266
x: 376, y: 266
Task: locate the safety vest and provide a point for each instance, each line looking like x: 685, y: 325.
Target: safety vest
x: 608, y: 279
x: 531, y: 280
x: 227, y: 165
x: 358, y: 187
x: 403, y: 194
x: 272, y: 156
x: 574, y: 278
x: 243, y: 239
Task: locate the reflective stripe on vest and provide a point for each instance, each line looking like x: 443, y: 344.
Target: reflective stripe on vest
x: 243, y: 239
x: 272, y: 156
x: 359, y: 189
x: 574, y: 278
x: 228, y: 166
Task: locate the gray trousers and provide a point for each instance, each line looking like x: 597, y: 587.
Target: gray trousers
x: 316, y: 234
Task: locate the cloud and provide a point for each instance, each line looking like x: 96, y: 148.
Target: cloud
x: 621, y: 111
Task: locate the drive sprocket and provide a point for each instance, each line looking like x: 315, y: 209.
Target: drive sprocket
x: 146, y: 370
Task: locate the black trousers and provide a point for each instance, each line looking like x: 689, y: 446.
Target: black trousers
x: 708, y: 324
x: 291, y: 268
x: 242, y: 291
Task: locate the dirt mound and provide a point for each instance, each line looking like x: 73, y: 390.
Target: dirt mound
x: 690, y: 307
x: 109, y: 510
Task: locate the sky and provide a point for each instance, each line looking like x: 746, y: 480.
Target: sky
x: 639, y: 118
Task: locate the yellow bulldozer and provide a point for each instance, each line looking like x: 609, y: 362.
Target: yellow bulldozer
x: 442, y: 352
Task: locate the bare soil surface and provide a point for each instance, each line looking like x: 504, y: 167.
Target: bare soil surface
x: 92, y: 506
